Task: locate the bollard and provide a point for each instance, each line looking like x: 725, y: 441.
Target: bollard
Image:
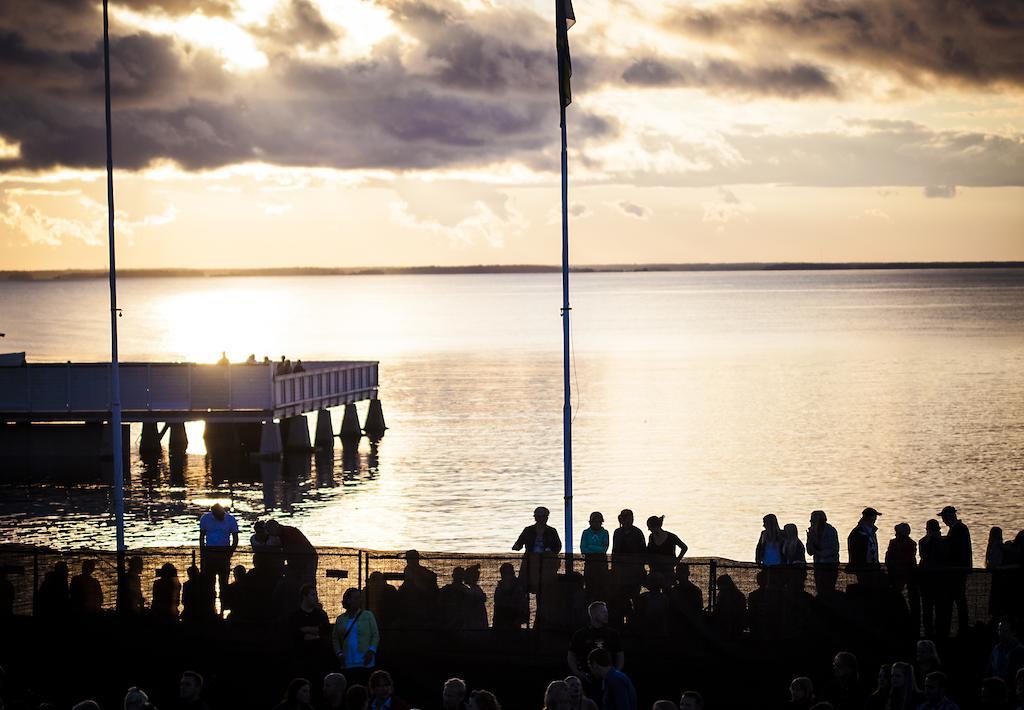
x: 375, y: 426
x: 350, y: 429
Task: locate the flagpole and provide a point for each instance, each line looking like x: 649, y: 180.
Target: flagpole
x: 115, y: 375
x: 560, y: 26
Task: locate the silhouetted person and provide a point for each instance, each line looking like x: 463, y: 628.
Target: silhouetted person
x: 197, y: 600
x: 862, y: 548
x: 628, y: 550
x: 218, y: 538
x: 1007, y: 657
x: 578, y: 699
x: 452, y: 600
x: 730, y: 611
x: 653, y: 614
x: 482, y: 700
x: 476, y: 600
x: 418, y: 593
x: 765, y: 606
x: 594, y: 546
x: 53, y: 598
x: 935, y: 693
x: 959, y: 560
x: 691, y: 700
x: 661, y: 548
x: 130, y: 600
x: 847, y: 690
x: 932, y: 548
x: 298, y: 367
x: 903, y: 691
x: 927, y: 658
x: 136, y: 699
x: 166, y: 593
x: 382, y: 693
x: 233, y: 598
x: 284, y: 367
x: 769, y: 545
x: 355, y: 636
x: 997, y: 556
x: 540, y: 544
x: 190, y: 692
x: 357, y: 697
x: 381, y: 599
x: 85, y: 591
x: 453, y: 693
x: 299, y: 554
x: 823, y: 547
x: 686, y: 599
x: 310, y: 630
x: 596, y: 634
x: 901, y: 564
x: 511, y: 602
x: 619, y: 693
x: 793, y: 550
x: 556, y: 696
x: 994, y: 695
x: 334, y: 688
x: 298, y: 696
x: 879, y: 697
x: 251, y: 360
x: 801, y: 694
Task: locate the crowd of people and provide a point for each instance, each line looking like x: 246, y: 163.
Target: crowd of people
x: 631, y: 584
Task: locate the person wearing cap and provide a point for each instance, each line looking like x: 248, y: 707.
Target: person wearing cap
x: 218, y: 538
x: 862, y: 544
x: 959, y: 558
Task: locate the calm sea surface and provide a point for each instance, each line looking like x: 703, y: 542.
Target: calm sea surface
x: 711, y: 398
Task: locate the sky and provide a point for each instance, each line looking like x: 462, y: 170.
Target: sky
x: 263, y: 133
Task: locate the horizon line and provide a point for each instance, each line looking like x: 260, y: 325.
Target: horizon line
x: 180, y: 272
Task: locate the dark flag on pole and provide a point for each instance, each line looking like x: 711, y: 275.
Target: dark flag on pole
x: 564, y: 63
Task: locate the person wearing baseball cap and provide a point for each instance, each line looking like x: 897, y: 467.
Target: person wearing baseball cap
x: 957, y: 555
x: 862, y: 543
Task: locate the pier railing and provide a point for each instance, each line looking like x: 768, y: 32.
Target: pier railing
x: 737, y: 598
x: 180, y: 391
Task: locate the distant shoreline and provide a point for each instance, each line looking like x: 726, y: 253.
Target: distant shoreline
x: 82, y: 274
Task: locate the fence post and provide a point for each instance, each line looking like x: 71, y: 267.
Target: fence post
x: 712, y: 585
x: 35, y: 578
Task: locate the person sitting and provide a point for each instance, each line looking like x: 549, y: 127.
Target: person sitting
x: 577, y: 698
x: 453, y: 693
x: 382, y: 693
x: 691, y: 700
x: 1007, y: 656
x: 847, y: 691
x: 334, y: 691
x: 619, y: 693
x: 935, y: 684
x: 903, y: 691
x: 801, y: 694
x: 297, y: 697
x: 482, y: 700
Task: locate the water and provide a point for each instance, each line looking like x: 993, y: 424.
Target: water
x: 711, y: 398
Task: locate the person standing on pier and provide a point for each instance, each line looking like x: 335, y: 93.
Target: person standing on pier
x: 960, y: 560
x: 823, y: 546
x: 862, y: 547
x: 218, y: 538
x: 594, y: 546
x: 538, y: 541
x: 628, y: 550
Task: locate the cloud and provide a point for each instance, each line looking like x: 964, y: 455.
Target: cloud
x: 727, y: 208
x: 634, y: 210
x: 787, y: 81
x: 299, y: 23
x: 38, y: 227
x: 940, y: 191
x: 957, y: 41
x: 579, y: 210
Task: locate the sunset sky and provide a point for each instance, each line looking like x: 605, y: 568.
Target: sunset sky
x: 405, y: 132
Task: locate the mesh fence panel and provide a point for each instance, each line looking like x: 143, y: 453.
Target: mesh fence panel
x: 765, y: 601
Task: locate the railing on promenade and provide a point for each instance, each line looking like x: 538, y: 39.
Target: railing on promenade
x: 736, y: 598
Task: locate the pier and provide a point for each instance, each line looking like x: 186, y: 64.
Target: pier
x: 64, y: 409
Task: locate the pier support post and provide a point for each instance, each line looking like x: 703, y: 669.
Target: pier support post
x: 149, y: 445
x: 324, y: 430
x: 270, y: 440
x: 178, y: 442
x: 297, y: 434
x: 222, y: 437
x: 350, y: 429
x: 375, y: 426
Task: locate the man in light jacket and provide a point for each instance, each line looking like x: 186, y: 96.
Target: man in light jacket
x: 823, y: 546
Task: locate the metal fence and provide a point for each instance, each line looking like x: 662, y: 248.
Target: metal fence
x: 736, y: 598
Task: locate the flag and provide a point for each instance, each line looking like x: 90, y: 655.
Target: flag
x: 565, y: 19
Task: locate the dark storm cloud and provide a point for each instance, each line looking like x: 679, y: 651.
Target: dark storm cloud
x: 299, y: 23
x: 791, y: 81
x: 963, y: 41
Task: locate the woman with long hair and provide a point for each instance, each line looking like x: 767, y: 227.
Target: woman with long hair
x: 557, y: 696
x: 793, y: 550
x: 903, y: 691
x: 769, y: 545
